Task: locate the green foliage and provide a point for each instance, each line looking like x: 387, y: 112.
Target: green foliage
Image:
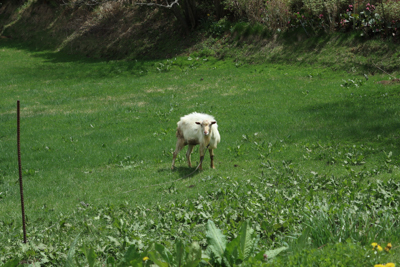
x: 356, y: 82
x: 369, y: 20
x: 240, y: 251
x: 90, y: 255
x: 215, y: 28
x: 183, y: 255
x: 12, y: 263
x: 165, y: 67
x: 71, y: 253
x: 217, y: 242
x: 343, y: 253
x: 219, y: 252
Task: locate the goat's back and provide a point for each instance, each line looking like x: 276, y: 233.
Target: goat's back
x: 189, y: 130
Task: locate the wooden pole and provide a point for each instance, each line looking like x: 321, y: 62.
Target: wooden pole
x: 20, y: 172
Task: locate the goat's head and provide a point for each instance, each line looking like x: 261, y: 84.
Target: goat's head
x: 206, y: 126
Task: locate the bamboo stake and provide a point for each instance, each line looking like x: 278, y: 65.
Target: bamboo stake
x: 20, y: 171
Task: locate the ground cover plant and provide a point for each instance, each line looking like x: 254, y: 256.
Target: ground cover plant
x: 307, y: 169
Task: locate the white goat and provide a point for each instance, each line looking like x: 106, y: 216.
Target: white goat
x: 197, y: 129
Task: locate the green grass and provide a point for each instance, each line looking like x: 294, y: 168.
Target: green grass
x: 97, y: 139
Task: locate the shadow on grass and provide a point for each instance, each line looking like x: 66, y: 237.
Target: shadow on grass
x: 184, y: 172
x: 359, y: 118
x: 59, y: 65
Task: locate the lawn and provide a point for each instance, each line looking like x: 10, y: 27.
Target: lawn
x: 309, y: 157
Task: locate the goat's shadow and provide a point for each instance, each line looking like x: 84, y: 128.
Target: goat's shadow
x: 184, y: 172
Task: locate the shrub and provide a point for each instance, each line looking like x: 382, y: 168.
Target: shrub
x: 277, y: 14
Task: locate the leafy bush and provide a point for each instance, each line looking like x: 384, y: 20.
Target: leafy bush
x: 370, y: 20
x: 219, y: 27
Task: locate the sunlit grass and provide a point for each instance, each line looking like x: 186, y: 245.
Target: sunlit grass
x: 77, y: 125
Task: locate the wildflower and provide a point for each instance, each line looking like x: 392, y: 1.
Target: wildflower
x: 379, y: 265
x: 374, y: 245
x: 146, y: 258
x: 379, y: 248
x: 390, y: 264
x: 388, y: 247
x: 367, y: 8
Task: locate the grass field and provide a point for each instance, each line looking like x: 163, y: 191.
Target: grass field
x: 305, y: 151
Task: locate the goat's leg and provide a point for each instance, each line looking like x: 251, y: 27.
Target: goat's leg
x: 212, y: 158
x: 188, y: 152
x: 180, y: 143
x: 201, y: 150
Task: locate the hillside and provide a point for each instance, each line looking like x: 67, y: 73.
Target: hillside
x: 115, y: 30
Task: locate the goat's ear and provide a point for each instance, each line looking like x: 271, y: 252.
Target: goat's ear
x: 213, y: 122
x: 198, y: 122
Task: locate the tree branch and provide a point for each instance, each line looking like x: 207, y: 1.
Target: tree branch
x: 85, y: 2
x: 154, y: 4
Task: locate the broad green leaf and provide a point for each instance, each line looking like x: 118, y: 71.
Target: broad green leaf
x: 161, y: 256
x: 193, y: 252
x: 248, y: 241
x: 110, y: 261
x: 11, y: 263
x: 273, y: 253
x: 90, y: 256
x: 216, y: 241
x: 114, y: 240
x: 193, y: 255
x: 157, y: 259
x: 179, y: 252
x: 164, y: 252
x: 131, y: 257
x: 71, y: 252
x: 232, y: 251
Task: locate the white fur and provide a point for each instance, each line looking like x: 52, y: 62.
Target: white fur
x: 191, y: 130
x: 197, y: 128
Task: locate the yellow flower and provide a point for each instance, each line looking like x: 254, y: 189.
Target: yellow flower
x: 379, y: 248
x: 146, y: 258
x: 379, y: 265
x: 390, y: 264
x: 388, y: 247
x: 374, y: 245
